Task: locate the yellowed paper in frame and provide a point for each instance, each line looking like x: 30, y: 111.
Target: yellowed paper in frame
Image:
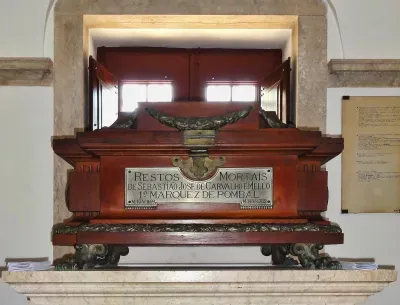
x: 371, y: 156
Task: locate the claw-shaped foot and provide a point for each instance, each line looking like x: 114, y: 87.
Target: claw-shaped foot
x: 279, y: 255
x: 308, y: 256
x: 90, y: 256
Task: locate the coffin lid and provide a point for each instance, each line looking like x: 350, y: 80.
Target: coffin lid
x: 247, y: 135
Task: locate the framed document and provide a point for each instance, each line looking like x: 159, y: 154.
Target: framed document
x: 371, y: 156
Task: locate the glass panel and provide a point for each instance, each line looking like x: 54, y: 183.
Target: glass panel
x: 109, y: 107
x: 218, y: 93
x: 131, y: 95
x: 244, y: 93
x: 271, y: 101
x: 159, y: 93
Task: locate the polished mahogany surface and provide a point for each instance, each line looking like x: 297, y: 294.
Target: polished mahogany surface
x: 96, y: 187
x: 189, y: 70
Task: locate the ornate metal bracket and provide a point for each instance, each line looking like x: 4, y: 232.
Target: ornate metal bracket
x: 199, y: 123
x: 198, y: 167
x: 308, y: 256
x: 198, y: 139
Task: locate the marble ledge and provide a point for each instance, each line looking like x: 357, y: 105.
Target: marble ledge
x: 191, y: 7
x: 364, y: 65
x: 364, y: 73
x: 203, y: 287
x: 31, y: 71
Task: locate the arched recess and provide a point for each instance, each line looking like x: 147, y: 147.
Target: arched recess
x: 47, y: 30
x: 331, y: 8
x: 328, y: 3
x: 73, y: 19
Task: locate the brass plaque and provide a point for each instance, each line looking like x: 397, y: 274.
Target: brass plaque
x: 252, y: 188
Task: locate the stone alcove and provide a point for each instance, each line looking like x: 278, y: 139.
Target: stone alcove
x: 74, y: 18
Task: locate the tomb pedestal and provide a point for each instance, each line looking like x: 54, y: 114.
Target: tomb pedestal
x: 202, y: 287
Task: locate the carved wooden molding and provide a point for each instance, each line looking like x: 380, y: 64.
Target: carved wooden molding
x: 26, y: 71
x: 372, y: 73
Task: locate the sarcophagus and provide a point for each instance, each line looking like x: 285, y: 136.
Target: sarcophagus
x: 210, y: 174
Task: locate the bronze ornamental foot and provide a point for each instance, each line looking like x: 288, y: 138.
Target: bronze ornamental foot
x: 88, y: 256
x: 307, y: 255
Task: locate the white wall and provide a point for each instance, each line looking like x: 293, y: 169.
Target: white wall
x: 26, y: 159
x: 369, y: 30
x: 366, y: 235
x: 287, y: 49
x: 22, y: 27
x: 26, y: 171
x: 26, y: 175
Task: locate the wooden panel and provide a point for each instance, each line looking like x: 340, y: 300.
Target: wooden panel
x: 313, y: 191
x: 113, y: 176
x: 70, y: 151
x: 92, y: 109
x: 149, y: 64
x: 275, y: 93
x: 208, y: 239
x: 84, y: 192
x: 260, y: 142
x: 103, y: 93
x: 328, y: 149
x: 196, y: 221
x: 64, y: 239
x: 189, y: 69
x: 231, y: 66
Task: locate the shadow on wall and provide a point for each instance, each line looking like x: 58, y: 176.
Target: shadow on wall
x: 332, y: 8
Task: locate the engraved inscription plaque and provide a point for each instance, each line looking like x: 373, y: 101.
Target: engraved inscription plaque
x: 147, y: 187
